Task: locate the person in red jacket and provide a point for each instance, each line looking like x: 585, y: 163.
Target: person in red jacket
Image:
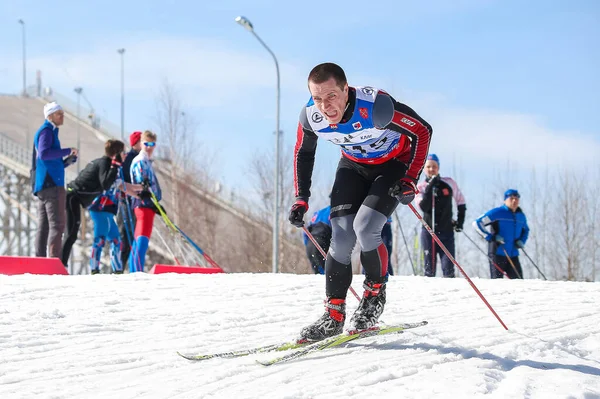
x: 384, y: 144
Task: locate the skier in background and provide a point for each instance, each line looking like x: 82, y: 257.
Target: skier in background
x: 135, y: 141
x: 384, y: 144
x: 144, y: 209
x: 508, y: 232
x: 98, y: 176
x: 441, y: 190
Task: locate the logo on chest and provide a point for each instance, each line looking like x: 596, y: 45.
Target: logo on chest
x: 357, y: 125
x: 364, y: 113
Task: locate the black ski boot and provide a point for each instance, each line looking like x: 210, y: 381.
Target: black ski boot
x: 330, y: 324
x: 370, y: 307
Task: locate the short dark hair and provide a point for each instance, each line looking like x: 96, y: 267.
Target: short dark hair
x: 113, y: 147
x: 323, y: 72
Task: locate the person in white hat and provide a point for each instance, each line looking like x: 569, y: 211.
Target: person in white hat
x: 49, y: 160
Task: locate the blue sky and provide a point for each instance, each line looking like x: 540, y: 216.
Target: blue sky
x: 501, y: 81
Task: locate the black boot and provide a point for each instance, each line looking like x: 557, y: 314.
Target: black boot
x: 330, y: 324
x: 370, y: 307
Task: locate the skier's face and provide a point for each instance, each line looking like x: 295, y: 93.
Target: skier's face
x: 431, y: 168
x: 149, y: 147
x: 330, y: 99
x: 512, y: 202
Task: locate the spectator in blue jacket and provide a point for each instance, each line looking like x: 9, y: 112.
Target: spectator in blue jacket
x: 506, y: 230
x: 48, y: 164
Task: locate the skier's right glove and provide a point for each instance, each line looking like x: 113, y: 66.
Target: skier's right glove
x: 404, y: 190
x: 297, y: 212
x: 499, y: 239
x: 145, y: 195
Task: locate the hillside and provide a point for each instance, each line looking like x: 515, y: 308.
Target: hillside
x: 110, y: 336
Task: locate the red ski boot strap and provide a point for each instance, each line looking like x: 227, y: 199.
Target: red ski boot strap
x: 336, y: 309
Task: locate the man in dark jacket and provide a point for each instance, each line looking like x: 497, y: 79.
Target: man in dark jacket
x: 135, y: 140
x: 48, y: 181
x: 435, y: 200
x: 97, y: 176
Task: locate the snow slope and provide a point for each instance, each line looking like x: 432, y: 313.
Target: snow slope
x: 116, y: 336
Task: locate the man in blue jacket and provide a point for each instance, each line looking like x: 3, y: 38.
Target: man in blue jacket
x: 506, y: 230
x: 48, y: 182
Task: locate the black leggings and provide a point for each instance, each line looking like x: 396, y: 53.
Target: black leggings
x: 360, y: 207
x: 73, y: 222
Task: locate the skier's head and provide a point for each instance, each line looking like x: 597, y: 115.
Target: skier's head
x: 148, y: 142
x: 432, y: 165
x: 511, y: 199
x: 329, y: 89
x: 114, y: 147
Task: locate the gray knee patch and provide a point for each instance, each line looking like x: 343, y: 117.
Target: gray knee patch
x: 368, y: 224
x: 343, y: 238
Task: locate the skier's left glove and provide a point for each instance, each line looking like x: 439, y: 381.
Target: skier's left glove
x: 519, y: 244
x: 404, y: 190
x: 297, y: 212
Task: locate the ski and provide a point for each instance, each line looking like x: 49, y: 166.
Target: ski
x: 245, y: 352
x: 303, y: 345
x: 341, y: 339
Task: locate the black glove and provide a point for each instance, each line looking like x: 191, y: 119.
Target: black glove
x: 404, y: 190
x: 297, y: 212
x: 457, y: 227
x: 145, y: 194
x: 70, y: 160
x: 146, y: 184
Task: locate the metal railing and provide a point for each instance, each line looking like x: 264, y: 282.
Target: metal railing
x: 14, y: 151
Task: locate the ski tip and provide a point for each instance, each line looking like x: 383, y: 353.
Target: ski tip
x: 266, y: 364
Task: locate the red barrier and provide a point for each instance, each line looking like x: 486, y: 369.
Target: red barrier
x: 160, y: 269
x: 12, y: 265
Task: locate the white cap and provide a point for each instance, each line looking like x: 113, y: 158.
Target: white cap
x: 51, y: 108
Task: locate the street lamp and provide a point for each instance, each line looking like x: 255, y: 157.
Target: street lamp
x: 122, y: 52
x: 78, y: 90
x: 243, y: 21
x: 24, y: 58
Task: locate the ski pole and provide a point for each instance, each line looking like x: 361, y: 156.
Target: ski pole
x: 488, y: 256
x: 433, y: 256
x: 177, y: 229
x: 310, y: 236
x: 168, y: 248
x: 449, y: 255
x: 533, y: 263
x: 208, y: 258
x: 511, y: 263
x: 405, y: 243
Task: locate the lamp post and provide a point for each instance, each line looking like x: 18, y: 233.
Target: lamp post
x: 78, y: 90
x: 122, y: 52
x: 248, y: 26
x: 24, y: 58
